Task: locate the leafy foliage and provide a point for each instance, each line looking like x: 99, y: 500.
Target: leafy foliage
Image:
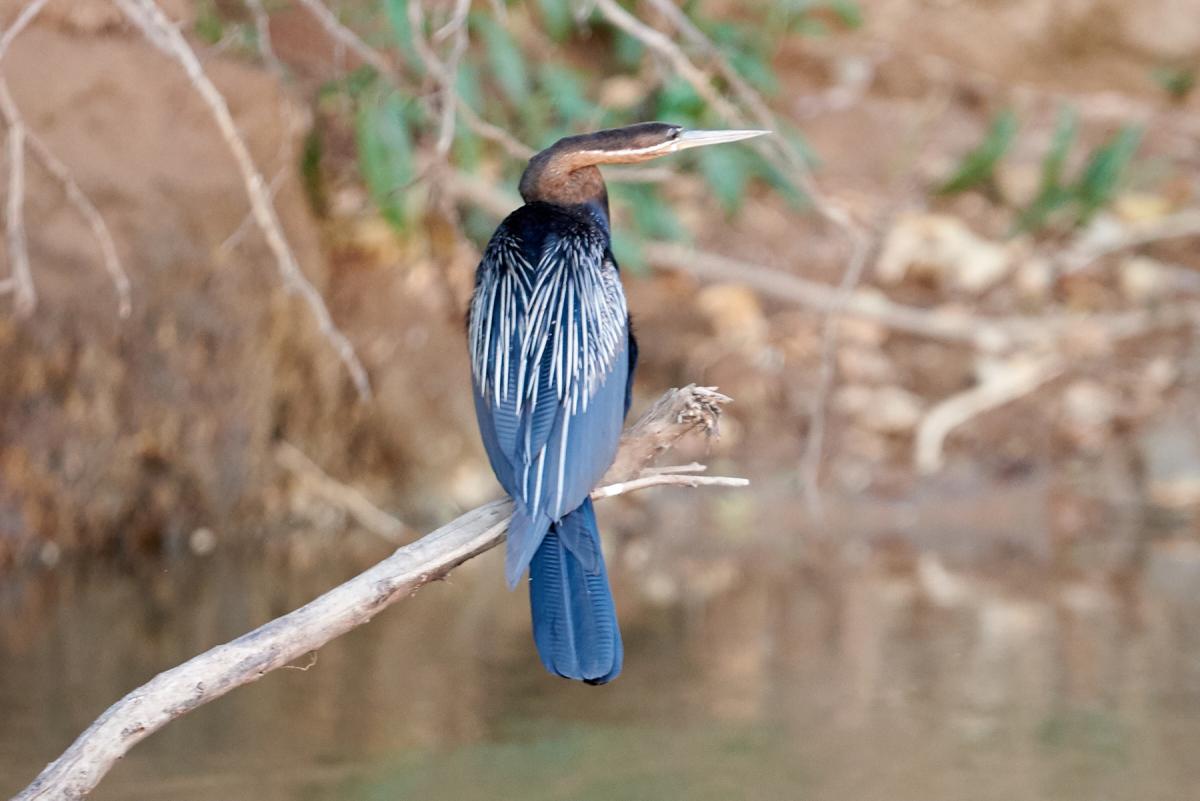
x: 1075, y: 202
x: 979, y: 166
x: 539, y: 70
x: 1177, y: 82
x: 385, y: 152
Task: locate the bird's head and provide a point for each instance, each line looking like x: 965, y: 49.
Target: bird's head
x: 567, y: 171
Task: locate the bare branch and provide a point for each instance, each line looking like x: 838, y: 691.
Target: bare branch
x: 1003, y: 387
x: 14, y: 216
x: 930, y: 324
x: 262, y: 30
x: 274, y: 645
x: 27, y: 15
x: 346, y: 37
x: 673, y: 479
x: 160, y: 30
x: 814, y: 445
x: 367, y: 514
x: 91, y: 215
x: 456, y: 28
x: 1091, y: 247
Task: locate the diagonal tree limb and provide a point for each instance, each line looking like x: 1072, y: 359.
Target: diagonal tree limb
x: 175, y: 692
x: 151, y: 20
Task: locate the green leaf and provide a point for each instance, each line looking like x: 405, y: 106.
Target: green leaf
x: 627, y: 250
x: 310, y: 170
x: 467, y: 84
x: 397, y: 14
x: 678, y: 102
x: 627, y: 50
x: 1037, y: 215
x: 979, y: 166
x: 779, y: 180
x: 504, y: 58
x: 209, y: 26
x: 725, y: 171
x: 754, y: 68
x: 650, y: 215
x: 385, y: 154
x: 557, y: 18
x: 1060, y: 147
x: 1177, y: 82
x: 1102, y: 176
x: 848, y: 12
x: 567, y: 92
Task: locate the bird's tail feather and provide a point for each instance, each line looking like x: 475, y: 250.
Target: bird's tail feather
x: 574, y: 620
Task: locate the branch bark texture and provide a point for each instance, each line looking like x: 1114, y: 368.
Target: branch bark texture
x: 175, y: 692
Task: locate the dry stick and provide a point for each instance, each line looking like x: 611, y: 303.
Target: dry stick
x: 857, y: 239
x: 262, y: 29
x: 346, y: 497
x: 161, y: 31
x: 175, y: 692
x: 14, y: 218
x: 75, y: 195
x: 1176, y: 226
x: 20, y: 23
x: 457, y: 28
x: 929, y: 324
x: 347, y: 37
x: 87, y: 209
x: 1004, y: 387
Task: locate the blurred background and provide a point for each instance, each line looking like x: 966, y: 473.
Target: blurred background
x: 955, y: 299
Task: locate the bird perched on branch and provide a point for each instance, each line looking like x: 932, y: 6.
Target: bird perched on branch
x: 552, y: 360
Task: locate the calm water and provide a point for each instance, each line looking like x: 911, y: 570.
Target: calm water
x: 866, y: 675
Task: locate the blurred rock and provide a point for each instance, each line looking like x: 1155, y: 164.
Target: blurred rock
x: 1035, y: 280
x: 735, y: 314
x: 859, y: 365
x: 941, y: 248
x: 1089, y: 410
x: 1019, y: 182
x: 1140, y: 207
x: 1170, y: 452
x: 860, y: 330
x: 1165, y: 29
x: 1143, y: 280
x: 1173, y: 570
x: 886, y: 410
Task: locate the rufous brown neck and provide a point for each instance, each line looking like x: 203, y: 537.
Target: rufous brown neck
x: 560, y: 178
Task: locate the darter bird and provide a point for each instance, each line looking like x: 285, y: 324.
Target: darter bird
x: 552, y: 360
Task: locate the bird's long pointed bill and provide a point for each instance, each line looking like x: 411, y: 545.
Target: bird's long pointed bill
x: 689, y: 139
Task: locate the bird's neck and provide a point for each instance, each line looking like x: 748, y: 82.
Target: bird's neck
x: 553, y: 178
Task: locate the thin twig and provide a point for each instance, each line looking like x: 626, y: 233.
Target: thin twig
x: 276, y: 644
x: 25, y: 294
x: 1090, y: 249
x: 159, y: 29
x: 262, y: 30
x: 27, y: 15
x: 248, y: 221
x: 814, y: 445
x: 672, y: 479
x: 346, y: 37
x: 368, y: 515
x: 1001, y: 388
x: 456, y: 28
x: 671, y: 469
x: 91, y: 215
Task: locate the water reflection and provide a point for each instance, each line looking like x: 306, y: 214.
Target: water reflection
x: 869, y: 673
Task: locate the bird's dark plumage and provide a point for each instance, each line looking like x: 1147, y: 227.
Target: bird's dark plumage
x: 551, y: 357
x: 552, y: 360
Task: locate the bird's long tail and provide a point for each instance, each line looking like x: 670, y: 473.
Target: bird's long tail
x: 574, y: 620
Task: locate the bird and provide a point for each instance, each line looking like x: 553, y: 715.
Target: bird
x: 552, y: 360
